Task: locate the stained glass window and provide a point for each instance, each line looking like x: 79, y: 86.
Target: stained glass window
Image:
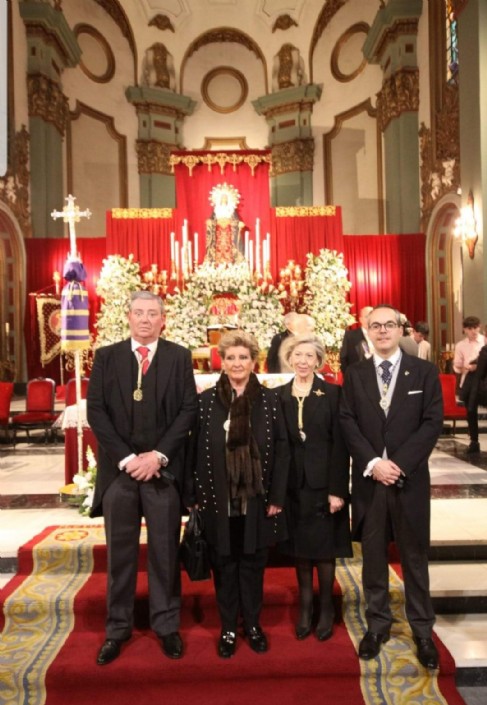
x: 451, y: 43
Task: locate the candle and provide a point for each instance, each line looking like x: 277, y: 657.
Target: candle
x: 176, y: 257
x: 7, y: 328
x: 196, y: 248
x: 251, y: 256
x: 185, y: 232
x: 190, y: 257
x: 173, y: 259
x: 257, y: 245
x: 246, y: 249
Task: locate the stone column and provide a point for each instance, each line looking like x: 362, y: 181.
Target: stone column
x: 288, y: 114
x: 160, y: 113
x: 51, y: 47
x: 391, y: 43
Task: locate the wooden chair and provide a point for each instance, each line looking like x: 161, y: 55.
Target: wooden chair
x: 6, y: 393
x: 452, y: 410
x: 39, y: 408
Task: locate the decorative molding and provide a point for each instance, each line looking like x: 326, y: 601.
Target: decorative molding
x: 107, y: 75
x: 224, y: 35
x: 326, y: 14
x: 400, y: 28
x: 124, y: 213
x: 304, y: 211
x: 191, y: 160
x: 47, y: 101
x: 357, y: 28
x: 399, y: 94
x: 284, y: 22
x: 14, y: 186
x: 117, y: 13
x: 222, y: 71
x: 162, y: 22
x: 153, y: 157
x: 297, y: 155
x: 225, y: 143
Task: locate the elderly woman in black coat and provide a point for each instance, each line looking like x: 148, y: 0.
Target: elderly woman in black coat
x: 319, y: 529
x: 240, y: 471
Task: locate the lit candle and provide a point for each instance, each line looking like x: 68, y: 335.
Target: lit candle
x: 7, y: 328
x: 196, y: 248
x: 246, y: 250
x: 190, y: 257
x: 176, y: 257
x: 257, y: 245
x: 251, y: 256
x: 268, y: 249
x: 173, y: 259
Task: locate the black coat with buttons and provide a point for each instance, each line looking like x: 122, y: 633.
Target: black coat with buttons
x: 210, y: 479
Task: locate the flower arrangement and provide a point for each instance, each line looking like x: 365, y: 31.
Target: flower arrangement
x: 327, y: 286
x: 85, y: 483
x: 119, y: 277
x: 189, y: 311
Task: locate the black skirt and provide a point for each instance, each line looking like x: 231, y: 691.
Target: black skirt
x: 315, y: 533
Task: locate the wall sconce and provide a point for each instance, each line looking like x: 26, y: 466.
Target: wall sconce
x: 466, y: 226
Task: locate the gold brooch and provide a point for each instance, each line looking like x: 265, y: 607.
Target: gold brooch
x: 319, y: 393
x: 406, y: 373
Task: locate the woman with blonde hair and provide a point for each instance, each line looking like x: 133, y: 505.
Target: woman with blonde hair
x: 240, y: 471
x: 318, y: 487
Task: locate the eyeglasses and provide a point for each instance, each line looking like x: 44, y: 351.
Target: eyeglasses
x: 389, y: 325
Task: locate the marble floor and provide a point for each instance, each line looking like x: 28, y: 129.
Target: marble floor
x: 32, y: 475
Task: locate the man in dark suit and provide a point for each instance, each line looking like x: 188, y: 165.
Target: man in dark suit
x: 141, y: 406
x: 392, y: 415
x: 273, y: 361
x: 356, y: 344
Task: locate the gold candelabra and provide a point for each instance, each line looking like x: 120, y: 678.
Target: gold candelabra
x: 156, y: 281
x: 291, y: 286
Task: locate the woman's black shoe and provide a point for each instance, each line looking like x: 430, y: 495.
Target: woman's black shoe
x: 302, y: 632
x: 324, y: 633
x: 227, y: 644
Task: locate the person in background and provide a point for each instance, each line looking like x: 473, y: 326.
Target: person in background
x: 240, y: 460
x: 407, y: 342
x: 141, y: 406
x: 420, y: 334
x: 467, y: 350
x: 318, y: 488
x: 391, y: 415
x: 356, y: 344
x: 273, y: 361
x: 474, y: 393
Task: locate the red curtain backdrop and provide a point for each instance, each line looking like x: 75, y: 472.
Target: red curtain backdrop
x: 388, y: 269
x: 44, y: 257
x: 297, y: 231
x: 145, y: 233
x: 193, y: 190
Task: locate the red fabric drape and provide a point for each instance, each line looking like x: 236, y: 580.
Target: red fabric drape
x: 45, y: 256
x: 388, y: 269
x: 193, y: 190
x: 147, y: 238
x: 293, y: 237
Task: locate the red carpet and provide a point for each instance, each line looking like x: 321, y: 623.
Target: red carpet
x: 291, y: 672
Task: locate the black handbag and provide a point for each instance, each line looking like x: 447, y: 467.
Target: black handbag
x: 194, y: 549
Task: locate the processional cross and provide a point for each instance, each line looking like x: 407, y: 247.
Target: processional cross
x: 71, y: 214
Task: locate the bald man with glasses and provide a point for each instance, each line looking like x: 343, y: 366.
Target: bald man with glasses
x: 391, y: 416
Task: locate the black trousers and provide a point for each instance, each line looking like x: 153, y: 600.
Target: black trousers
x: 386, y: 510
x: 124, y: 504
x: 239, y: 580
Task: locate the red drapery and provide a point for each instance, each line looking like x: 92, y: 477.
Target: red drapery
x: 145, y: 233
x: 388, y: 269
x: 193, y: 185
x: 297, y: 231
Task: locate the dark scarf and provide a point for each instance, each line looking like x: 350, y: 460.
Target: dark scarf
x: 244, y: 470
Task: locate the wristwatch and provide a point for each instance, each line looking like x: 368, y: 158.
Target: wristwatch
x: 163, y: 460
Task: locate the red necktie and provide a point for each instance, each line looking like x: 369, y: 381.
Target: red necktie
x: 144, y: 354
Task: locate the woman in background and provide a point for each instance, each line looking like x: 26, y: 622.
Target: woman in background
x: 318, y: 488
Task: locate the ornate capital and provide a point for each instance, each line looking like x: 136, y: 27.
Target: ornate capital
x: 153, y: 157
x: 47, y: 101
x: 293, y: 156
x: 14, y: 186
x: 399, y: 94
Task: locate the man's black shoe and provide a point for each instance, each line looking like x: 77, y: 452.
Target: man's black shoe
x: 109, y: 651
x: 172, y: 645
x: 370, y: 645
x: 473, y: 447
x: 227, y: 644
x: 427, y: 652
x: 257, y: 640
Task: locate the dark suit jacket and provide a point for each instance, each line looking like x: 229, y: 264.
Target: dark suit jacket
x: 352, y: 349
x: 109, y: 405
x: 409, y: 433
x: 323, y: 459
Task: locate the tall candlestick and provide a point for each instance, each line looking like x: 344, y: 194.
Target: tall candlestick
x: 185, y: 232
x: 176, y: 257
x: 172, y: 247
x: 7, y: 328
x: 196, y: 249
x: 246, y: 247
x: 257, y: 245
x: 190, y: 257
x: 251, y: 256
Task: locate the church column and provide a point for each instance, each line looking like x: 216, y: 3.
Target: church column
x: 472, y: 52
x: 391, y: 43
x: 288, y: 114
x: 51, y: 47
x: 160, y: 113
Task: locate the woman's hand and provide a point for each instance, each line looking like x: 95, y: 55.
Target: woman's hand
x: 336, y: 503
x: 273, y: 509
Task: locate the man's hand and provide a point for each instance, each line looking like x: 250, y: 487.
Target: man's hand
x: 144, y: 467
x: 336, y: 503
x: 386, y: 471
